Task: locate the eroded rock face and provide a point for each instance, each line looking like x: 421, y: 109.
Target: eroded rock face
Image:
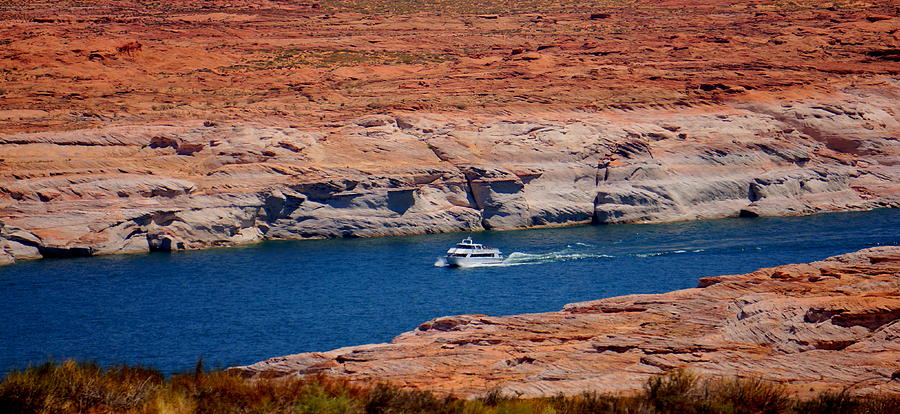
x: 824, y: 325
x: 128, y: 192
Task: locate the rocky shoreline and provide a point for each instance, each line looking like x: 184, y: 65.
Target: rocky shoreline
x: 830, y: 324
x: 198, y: 185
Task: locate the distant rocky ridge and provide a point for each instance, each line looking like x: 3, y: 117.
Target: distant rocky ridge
x: 196, y: 185
x: 829, y: 324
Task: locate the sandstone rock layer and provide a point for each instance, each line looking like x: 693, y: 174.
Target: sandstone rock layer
x: 188, y: 186
x: 825, y: 325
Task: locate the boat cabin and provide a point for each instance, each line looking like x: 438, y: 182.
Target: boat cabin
x: 468, y: 248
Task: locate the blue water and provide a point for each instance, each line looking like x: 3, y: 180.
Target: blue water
x: 241, y: 305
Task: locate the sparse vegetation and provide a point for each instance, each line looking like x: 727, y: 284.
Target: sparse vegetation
x: 470, y: 6
x: 72, y: 387
x: 246, y: 48
x: 329, y: 58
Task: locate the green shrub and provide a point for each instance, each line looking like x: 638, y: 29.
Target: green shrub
x: 672, y: 392
x: 747, y: 396
x: 389, y: 399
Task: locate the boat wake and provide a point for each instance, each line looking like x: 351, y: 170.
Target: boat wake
x: 521, y: 259
x: 518, y: 258
x: 666, y: 253
x: 578, y: 251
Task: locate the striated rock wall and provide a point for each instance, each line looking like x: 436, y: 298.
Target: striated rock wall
x: 829, y: 324
x: 188, y: 186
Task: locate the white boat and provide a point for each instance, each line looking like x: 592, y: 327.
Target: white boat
x: 468, y: 253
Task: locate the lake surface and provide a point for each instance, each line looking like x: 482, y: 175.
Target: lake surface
x: 241, y: 305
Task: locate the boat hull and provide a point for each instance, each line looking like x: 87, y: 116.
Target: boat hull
x: 472, y: 261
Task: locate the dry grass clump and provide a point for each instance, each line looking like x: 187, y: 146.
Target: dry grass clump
x: 72, y: 387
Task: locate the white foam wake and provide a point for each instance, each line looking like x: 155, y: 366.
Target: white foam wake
x: 577, y: 251
x: 521, y: 259
x: 666, y: 253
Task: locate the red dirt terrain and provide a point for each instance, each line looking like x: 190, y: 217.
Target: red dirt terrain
x: 77, y: 64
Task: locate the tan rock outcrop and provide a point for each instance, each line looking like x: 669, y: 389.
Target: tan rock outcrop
x: 825, y: 325
x: 129, y: 190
